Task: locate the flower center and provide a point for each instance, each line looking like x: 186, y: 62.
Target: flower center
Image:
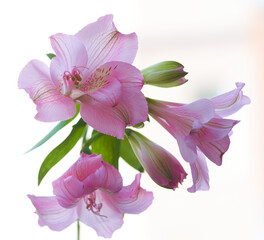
x: 71, y: 80
x: 91, y: 205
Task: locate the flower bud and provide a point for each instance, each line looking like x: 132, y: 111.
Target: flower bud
x: 162, y: 167
x: 165, y: 74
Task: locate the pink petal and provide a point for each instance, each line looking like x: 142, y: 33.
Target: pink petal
x: 68, y: 191
x: 199, y: 174
x: 103, y: 118
x: 132, y: 198
x: 86, y: 175
x: 104, y: 43
x: 110, y: 109
x: 180, y: 120
x: 215, y: 150
x: 230, y: 102
x: 215, y: 129
x: 51, y: 214
x: 188, y: 148
x: 106, y: 221
x: 106, y: 177
x: 70, y: 53
x: 128, y: 75
x: 51, y: 104
x: 133, y: 109
x: 109, y: 94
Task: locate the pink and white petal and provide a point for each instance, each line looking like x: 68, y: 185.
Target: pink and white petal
x: 133, y: 109
x: 106, y: 221
x: 105, y: 119
x: 104, y: 43
x: 51, y: 104
x: 200, y: 175
x: 110, y: 93
x: 201, y: 110
x: 129, y: 76
x: 215, y: 150
x: 70, y: 53
x: 106, y: 177
x: 51, y: 214
x: 215, y: 129
x: 132, y: 199
x: 228, y: 103
x: 68, y: 191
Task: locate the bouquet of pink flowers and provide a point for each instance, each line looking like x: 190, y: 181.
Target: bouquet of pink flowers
x: 91, y: 75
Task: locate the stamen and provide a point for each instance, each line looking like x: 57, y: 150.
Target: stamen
x: 92, y: 206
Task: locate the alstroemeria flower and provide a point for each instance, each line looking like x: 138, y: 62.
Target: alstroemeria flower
x: 199, y: 126
x: 91, y: 191
x: 93, y: 68
x: 162, y: 167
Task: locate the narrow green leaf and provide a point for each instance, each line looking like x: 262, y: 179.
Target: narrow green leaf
x: 109, y: 147
x: 127, y: 153
x: 62, y: 149
x: 51, y: 55
x: 58, y: 127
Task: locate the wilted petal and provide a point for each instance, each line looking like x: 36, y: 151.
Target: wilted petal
x: 51, y: 214
x: 133, y: 199
x: 104, y: 43
x: 106, y: 221
x: 230, y: 102
x: 161, y: 166
x: 199, y: 174
x: 51, y: 104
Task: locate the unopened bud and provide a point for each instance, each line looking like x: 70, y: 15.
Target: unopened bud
x: 165, y: 74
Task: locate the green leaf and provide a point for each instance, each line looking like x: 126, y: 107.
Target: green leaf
x: 127, y: 153
x: 109, y: 147
x: 62, y: 149
x: 51, y: 55
x: 58, y: 127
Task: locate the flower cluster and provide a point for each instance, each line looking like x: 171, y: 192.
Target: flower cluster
x: 91, y: 74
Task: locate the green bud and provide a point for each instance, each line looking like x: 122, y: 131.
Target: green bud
x: 165, y: 74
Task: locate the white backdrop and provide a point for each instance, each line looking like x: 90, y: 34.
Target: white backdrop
x: 219, y: 43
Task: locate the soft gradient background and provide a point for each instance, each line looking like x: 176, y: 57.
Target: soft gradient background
x: 219, y: 43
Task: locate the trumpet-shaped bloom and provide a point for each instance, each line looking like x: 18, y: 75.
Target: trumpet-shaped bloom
x: 93, y: 68
x: 161, y: 166
x: 199, y: 127
x: 91, y: 191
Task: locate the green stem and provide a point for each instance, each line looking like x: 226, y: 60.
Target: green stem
x: 78, y: 229
x: 86, y: 144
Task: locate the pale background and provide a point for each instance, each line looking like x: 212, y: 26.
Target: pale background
x: 219, y: 43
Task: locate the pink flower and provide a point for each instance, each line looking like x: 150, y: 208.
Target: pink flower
x: 93, y: 68
x: 162, y: 167
x: 199, y: 126
x: 91, y: 191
